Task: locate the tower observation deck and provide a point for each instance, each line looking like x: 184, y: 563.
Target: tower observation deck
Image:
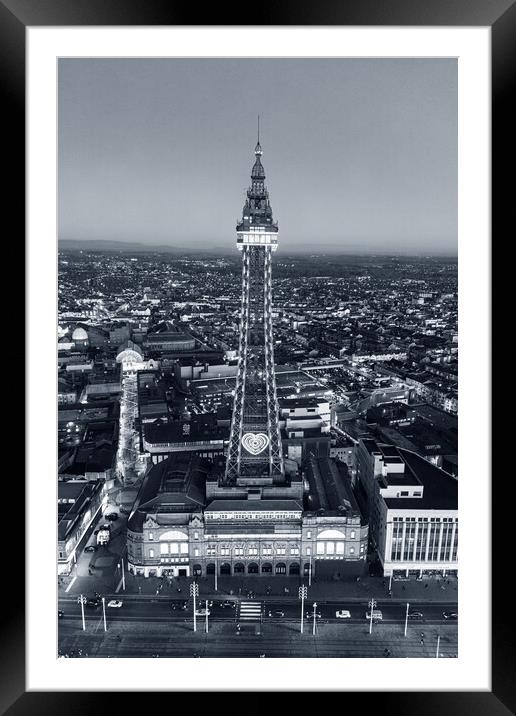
x: 255, y: 455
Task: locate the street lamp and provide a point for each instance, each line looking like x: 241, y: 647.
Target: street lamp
x: 371, y: 604
x: 302, y: 596
x: 313, y: 628
x: 123, y: 573
x: 310, y: 570
x: 437, y: 650
x: 104, y: 612
x: 406, y: 619
x: 82, y: 602
x: 194, y: 592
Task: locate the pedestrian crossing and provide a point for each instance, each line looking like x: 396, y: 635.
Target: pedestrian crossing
x: 250, y: 611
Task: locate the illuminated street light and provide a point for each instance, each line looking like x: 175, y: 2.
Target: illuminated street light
x: 194, y: 592
x: 371, y: 604
x: 302, y: 596
x: 82, y: 602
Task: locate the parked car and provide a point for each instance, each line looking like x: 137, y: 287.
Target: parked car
x: 60, y: 614
x: 277, y: 613
x: 227, y: 603
x: 179, y: 604
x: 90, y: 548
x: 202, y: 612
x: 116, y: 603
x: 450, y: 615
x: 310, y: 615
x: 415, y: 615
x: 343, y: 614
x: 112, y: 516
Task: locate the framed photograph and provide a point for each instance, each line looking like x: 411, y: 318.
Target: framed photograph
x: 259, y: 437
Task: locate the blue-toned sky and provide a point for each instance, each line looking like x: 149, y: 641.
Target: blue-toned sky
x: 360, y: 154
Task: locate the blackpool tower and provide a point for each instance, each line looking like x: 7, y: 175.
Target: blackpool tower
x: 255, y: 455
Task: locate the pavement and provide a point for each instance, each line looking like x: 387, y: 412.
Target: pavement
x: 109, y: 579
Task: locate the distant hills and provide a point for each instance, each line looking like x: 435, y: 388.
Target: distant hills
x: 317, y: 249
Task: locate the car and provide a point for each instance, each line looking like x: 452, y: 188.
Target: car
x: 310, y: 615
x: 227, y: 603
x: 377, y: 615
x: 116, y: 603
x: 90, y: 548
x: 277, y: 613
x: 450, y: 615
x: 343, y: 614
x: 112, y: 516
x: 92, y: 602
x: 415, y: 615
x: 202, y: 612
x: 60, y: 614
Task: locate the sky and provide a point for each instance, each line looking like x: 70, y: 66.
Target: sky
x: 360, y: 155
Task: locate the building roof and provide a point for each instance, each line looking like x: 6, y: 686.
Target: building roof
x: 440, y: 490
x: 175, y: 485
x: 79, y: 334
x: 330, y: 488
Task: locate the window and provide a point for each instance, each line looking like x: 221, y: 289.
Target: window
x: 320, y: 548
x: 196, y: 535
x: 308, y: 534
x: 352, y: 534
x: 174, y: 548
x: 184, y: 547
x: 352, y: 550
x: 151, y: 536
x: 404, y: 493
x: 196, y: 552
x: 330, y: 547
x: 281, y: 550
x: 340, y: 547
x: 151, y: 553
x: 309, y: 550
x: 164, y: 548
x: 253, y: 551
x: 294, y: 550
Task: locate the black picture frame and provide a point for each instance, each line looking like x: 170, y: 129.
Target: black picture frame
x: 500, y: 16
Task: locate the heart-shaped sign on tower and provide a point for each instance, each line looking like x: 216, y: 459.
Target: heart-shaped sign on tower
x: 255, y: 443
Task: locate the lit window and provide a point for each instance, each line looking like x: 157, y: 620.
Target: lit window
x: 151, y: 536
x: 308, y: 534
x: 184, y: 547
x: 151, y: 553
x: 320, y: 548
x: 352, y: 535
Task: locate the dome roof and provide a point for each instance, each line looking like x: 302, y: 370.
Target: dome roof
x: 79, y: 334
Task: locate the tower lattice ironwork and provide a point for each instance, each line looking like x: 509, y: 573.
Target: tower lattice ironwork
x: 255, y: 452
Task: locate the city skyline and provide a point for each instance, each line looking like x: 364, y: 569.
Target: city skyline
x: 143, y: 152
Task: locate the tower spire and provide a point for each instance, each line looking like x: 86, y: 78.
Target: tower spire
x: 258, y: 148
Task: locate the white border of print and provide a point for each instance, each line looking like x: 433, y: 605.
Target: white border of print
x: 471, y: 671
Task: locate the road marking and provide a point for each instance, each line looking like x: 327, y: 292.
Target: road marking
x: 250, y: 611
x: 69, y: 586
x: 119, y: 585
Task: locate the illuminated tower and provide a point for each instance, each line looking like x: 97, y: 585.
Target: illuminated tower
x: 254, y: 455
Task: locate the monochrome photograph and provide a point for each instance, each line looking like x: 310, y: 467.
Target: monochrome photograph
x: 257, y: 358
